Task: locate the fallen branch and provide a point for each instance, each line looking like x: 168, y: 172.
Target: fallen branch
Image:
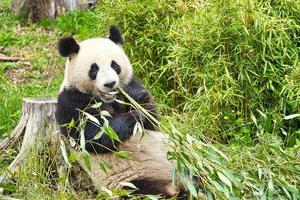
x: 4, y: 58
x: 7, y: 198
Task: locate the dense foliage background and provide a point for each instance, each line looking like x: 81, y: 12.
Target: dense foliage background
x: 225, y: 75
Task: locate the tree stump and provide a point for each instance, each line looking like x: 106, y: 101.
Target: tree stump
x: 37, y: 123
x: 36, y: 10
x: 39, y: 9
x: 148, y: 155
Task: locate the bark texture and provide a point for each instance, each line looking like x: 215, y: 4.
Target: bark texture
x: 37, y: 123
x: 39, y: 9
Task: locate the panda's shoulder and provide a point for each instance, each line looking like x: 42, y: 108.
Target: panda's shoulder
x: 73, y: 98
x: 135, y: 83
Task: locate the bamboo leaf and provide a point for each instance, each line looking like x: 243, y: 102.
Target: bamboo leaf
x: 152, y: 197
x: 87, y: 159
x: 98, y: 135
x: 231, y: 177
x: 291, y: 116
x: 283, y: 132
x: 123, y: 155
x: 268, y: 124
x: 8, y: 187
x: 72, y: 142
x: 109, y: 131
x: 106, y: 122
x: 82, y: 139
x: 217, y: 185
x: 72, y: 123
x: 72, y: 158
x: 97, y: 105
x: 64, y: 152
x: 287, y: 193
x: 253, y: 118
x: 91, y: 117
x: 224, y: 179
x: 137, y: 128
x: 105, y: 166
x: 174, y: 175
x: 105, y: 113
x: 210, y: 195
x: 270, y: 188
x: 127, y: 184
x: 259, y: 173
x: 218, y: 151
x: 261, y: 113
x: 192, y: 188
x: 109, y: 192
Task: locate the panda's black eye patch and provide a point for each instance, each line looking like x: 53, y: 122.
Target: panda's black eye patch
x: 93, y: 71
x: 116, y: 66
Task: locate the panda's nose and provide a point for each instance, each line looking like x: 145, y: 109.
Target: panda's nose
x: 110, y: 84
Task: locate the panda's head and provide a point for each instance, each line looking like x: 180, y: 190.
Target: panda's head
x: 96, y: 66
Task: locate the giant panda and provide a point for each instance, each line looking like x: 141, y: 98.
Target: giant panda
x: 94, y: 69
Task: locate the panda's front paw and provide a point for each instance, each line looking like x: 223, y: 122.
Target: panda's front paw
x: 138, y: 116
x: 145, y: 97
x: 139, y: 95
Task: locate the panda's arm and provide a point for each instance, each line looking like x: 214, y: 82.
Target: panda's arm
x: 141, y: 95
x: 123, y: 125
x: 69, y: 101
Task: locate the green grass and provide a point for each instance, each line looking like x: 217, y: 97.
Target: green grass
x: 223, y: 72
x: 41, y: 61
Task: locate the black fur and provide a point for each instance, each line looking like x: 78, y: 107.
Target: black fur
x: 67, y: 46
x: 115, y: 35
x: 141, y: 95
x: 93, y: 71
x: 116, y: 66
x: 152, y: 187
x: 122, y: 121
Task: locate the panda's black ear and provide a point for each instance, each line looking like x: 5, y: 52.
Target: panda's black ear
x: 67, y: 46
x: 115, y: 35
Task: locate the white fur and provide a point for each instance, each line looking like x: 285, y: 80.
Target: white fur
x: 100, y: 51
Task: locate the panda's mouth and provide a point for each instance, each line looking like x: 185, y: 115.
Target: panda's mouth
x: 107, y: 96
